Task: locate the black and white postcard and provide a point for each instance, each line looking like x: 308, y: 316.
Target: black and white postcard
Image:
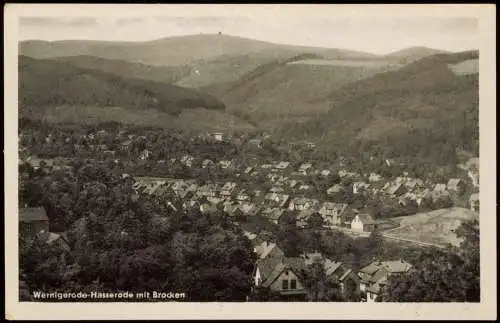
x: 232, y: 161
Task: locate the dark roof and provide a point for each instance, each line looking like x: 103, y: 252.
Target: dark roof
x: 266, y: 266
x: 297, y: 264
x: 271, y: 268
x: 366, y: 219
x: 378, y: 275
x: 273, y: 274
x: 370, y: 269
x: 30, y: 214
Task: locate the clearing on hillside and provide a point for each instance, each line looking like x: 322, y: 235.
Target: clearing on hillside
x: 435, y: 227
x: 470, y: 66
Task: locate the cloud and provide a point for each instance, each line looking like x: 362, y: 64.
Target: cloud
x: 470, y: 24
x: 57, y: 21
x: 203, y: 21
x: 129, y: 21
x: 360, y: 32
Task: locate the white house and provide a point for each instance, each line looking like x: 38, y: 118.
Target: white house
x: 363, y: 223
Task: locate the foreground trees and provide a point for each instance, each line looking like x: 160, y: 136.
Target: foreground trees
x: 442, y: 277
x: 123, y: 243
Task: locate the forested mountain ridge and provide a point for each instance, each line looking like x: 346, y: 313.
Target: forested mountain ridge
x: 45, y: 83
x: 423, y: 109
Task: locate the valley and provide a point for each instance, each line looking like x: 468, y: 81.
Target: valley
x: 216, y: 165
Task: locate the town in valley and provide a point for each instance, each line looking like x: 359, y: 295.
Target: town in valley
x: 218, y: 168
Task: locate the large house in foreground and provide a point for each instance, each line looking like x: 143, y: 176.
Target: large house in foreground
x: 286, y: 277
x: 281, y: 276
x: 374, y: 277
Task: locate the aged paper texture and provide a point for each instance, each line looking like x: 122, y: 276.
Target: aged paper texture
x: 232, y: 161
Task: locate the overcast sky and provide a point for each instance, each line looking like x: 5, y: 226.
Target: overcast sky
x: 366, y: 32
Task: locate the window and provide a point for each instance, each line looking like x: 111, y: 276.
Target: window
x: 285, y: 284
x: 293, y: 284
x: 28, y: 228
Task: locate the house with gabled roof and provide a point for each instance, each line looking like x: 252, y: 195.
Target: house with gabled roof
x: 193, y: 187
x: 214, y: 200
x: 227, y: 189
x: 363, y: 223
x: 248, y: 209
x: 346, y: 174
x: 424, y: 197
x: 331, y: 212
x: 305, y: 187
x: 243, y: 195
x: 206, y: 163
x: 58, y: 240
x: 225, y: 164
x: 179, y: 186
x: 282, y: 165
x: 189, y: 204
x: 251, y: 236
x: 248, y: 170
x: 302, y: 203
x: 274, y: 215
x: 281, y: 276
x: 396, y: 189
x: 255, y: 143
x: 302, y: 218
x: 291, y: 183
x: 145, y: 154
x: 272, y: 177
x: 276, y: 189
x: 218, y: 136
x: 124, y: 146
x: 305, y: 168
x: 266, y: 166
x: 407, y: 199
x: 151, y: 187
x: 337, y: 273
x: 268, y: 250
x: 208, y: 208
x: 257, y: 193
x: 207, y: 190
x: 285, y: 276
x: 374, y: 277
x: 359, y: 187
x: 230, y: 207
x: 32, y: 220
x: 187, y: 160
x: 325, y: 172
x: 413, y: 183
x: 279, y: 200
x: 335, y: 189
x: 161, y: 191
x: 374, y: 178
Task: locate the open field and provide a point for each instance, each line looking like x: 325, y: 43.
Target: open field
x: 470, y: 66
x: 342, y: 62
x: 436, y: 227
